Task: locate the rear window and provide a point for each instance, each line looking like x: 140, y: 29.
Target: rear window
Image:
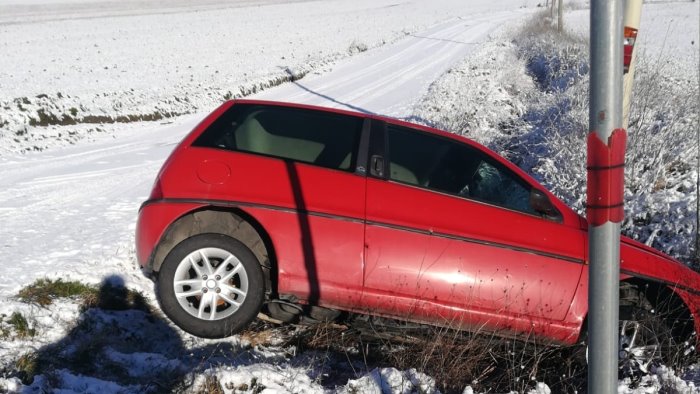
x: 320, y: 138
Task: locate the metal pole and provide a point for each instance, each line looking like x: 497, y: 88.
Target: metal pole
x: 606, y: 146
x: 633, y: 15
x: 560, y: 16
x: 551, y: 9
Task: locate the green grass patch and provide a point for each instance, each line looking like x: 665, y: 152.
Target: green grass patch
x: 21, y: 326
x: 45, y: 291
x: 16, y: 327
x: 107, y: 296
x: 5, y: 330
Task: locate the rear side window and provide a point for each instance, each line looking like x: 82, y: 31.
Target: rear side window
x: 447, y: 166
x: 315, y: 137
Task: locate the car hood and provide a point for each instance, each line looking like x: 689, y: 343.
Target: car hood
x: 629, y: 242
x: 639, y: 260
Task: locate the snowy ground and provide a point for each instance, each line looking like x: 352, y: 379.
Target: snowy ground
x: 73, y: 68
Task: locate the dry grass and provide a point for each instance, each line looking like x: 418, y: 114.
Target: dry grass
x: 256, y: 338
x: 27, y: 366
x: 115, y: 298
x: 211, y: 385
x: 453, y: 358
x: 456, y: 359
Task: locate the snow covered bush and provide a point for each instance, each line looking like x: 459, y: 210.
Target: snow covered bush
x: 541, y: 125
x: 661, y: 166
x: 662, y: 160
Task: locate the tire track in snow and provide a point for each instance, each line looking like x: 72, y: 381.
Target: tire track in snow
x: 392, y: 79
x: 397, y: 52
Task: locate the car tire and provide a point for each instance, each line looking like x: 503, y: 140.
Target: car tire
x: 321, y: 314
x: 211, y: 286
x: 283, y: 312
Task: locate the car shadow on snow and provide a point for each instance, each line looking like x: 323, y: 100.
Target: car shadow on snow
x: 294, y: 78
x: 331, y: 99
x: 120, y: 344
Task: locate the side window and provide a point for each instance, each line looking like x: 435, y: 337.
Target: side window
x: 447, y: 166
x: 315, y: 137
x: 497, y: 186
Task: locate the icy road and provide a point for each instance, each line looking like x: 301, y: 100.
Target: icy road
x: 391, y: 80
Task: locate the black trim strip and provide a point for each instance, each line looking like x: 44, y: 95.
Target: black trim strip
x: 478, y: 241
x: 605, y: 168
x: 234, y: 204
x: 378, y: 147
x: 604, y: 206
x: 363, y: 149
x: 657, y: 280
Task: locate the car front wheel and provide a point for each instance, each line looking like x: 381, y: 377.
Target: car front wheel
x: 650, y: 333
x: 211, y: 285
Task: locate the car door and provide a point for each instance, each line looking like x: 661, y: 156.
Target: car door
x: 452, y: 237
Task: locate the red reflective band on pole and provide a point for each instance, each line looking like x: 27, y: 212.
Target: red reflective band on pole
x: 606, y: 178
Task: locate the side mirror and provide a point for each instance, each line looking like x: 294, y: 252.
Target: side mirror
x: 541, y: 204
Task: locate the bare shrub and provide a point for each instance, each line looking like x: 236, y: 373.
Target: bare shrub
x: 357, y: 47
x: 661, y: 160
x: 452, y: 358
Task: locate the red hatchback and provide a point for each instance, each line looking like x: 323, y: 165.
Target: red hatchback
x: 313, y: 210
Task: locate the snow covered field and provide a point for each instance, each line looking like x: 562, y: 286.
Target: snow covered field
x: 71, y: 69
x: 87, y: 64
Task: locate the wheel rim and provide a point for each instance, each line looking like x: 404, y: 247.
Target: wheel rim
x: 640, y: 345
x: 210, y: 284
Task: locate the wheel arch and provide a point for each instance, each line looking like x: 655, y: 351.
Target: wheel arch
x: 231, y: 221
x: 659, y: 295
x: 662, y: 297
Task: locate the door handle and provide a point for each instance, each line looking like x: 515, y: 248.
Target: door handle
x: 376, y: 167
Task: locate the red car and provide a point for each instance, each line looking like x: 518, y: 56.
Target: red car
x: 314, y: 210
